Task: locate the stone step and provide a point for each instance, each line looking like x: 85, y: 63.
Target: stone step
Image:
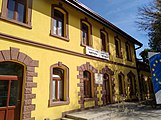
x: 74, y: 117
x: 66, y: 119
x: 89, y: 115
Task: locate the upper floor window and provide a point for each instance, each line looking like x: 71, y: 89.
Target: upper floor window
x: 18, y: 11
x: 104, y: 41
x: 59, y: 23
x: 87, y: 84
x: 118, y: 48
x: 59, y: 85
x: 86, y: 33
x: 128, y: 52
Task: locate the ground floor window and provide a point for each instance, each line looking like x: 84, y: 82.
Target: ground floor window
x: 59, y: 84
x: 87, y: 84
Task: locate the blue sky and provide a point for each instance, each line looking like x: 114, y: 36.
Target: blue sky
x: 123, y: 14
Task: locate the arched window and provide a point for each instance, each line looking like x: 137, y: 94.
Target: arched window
x: 59, y: 22
x: 87, y: 84
x: 128, y: 51
x: 85, y: 34
x: 118, y: 47
x: 104, y: 40
x: 121, y: 83
x: 132, y: 84
x: 59, y: 84
x: 86, y: 31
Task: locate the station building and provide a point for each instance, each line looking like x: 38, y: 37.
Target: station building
x: 58, y: 56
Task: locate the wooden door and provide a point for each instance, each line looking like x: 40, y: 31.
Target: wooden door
x: 107, y: 88
x: 10, y: 97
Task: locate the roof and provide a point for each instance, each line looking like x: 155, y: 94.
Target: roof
x: 97, y: 17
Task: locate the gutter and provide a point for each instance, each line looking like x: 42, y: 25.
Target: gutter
x: 139, y: 47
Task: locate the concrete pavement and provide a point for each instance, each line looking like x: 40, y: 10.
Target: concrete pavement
x: 126, y: 111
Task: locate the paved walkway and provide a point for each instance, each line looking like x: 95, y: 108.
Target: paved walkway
x: 137, y: 112
x: 128, y: 111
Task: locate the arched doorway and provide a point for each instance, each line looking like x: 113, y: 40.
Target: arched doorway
x: 132, y: 85
x: 11, y: 80
x: 106, y: 85
x: 121, y: 84
x: 88, y: 88
x: 14, y: 55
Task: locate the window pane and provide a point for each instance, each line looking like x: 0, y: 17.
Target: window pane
x: 55, y: 26
x: 60, y: 92
x: 21, y: 12
x: 83, y: 37
x: 103, y: 38
x: 87, y: 84
x: 58, y: 23
x: 117, y: 47
x: 89, y: 88
x: 60, y: 28
x: 10, y: 68
x: 14, y: 93
x: 58, y: 76
x: 54, y: 86
x: 87, y: 74
x: 59, y: 72
x: 85, y: 34
x: 11, y: 8
x: 127, y: 52
x: 120, y: 84
x: 85, y: 93
x: 3, y: 92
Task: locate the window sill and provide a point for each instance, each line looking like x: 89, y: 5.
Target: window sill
x: 57, y: 103
x: 60, y: 37
x: 16, y: 22
x: 89, y: 99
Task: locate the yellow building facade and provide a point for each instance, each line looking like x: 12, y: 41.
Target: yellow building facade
x: 58, y: 56
x: 145, y: 81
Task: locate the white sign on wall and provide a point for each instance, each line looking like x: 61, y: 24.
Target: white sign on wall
x: 96, y: 53
x: 98, y: 78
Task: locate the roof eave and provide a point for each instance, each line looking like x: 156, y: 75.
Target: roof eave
x: 100, y: 19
